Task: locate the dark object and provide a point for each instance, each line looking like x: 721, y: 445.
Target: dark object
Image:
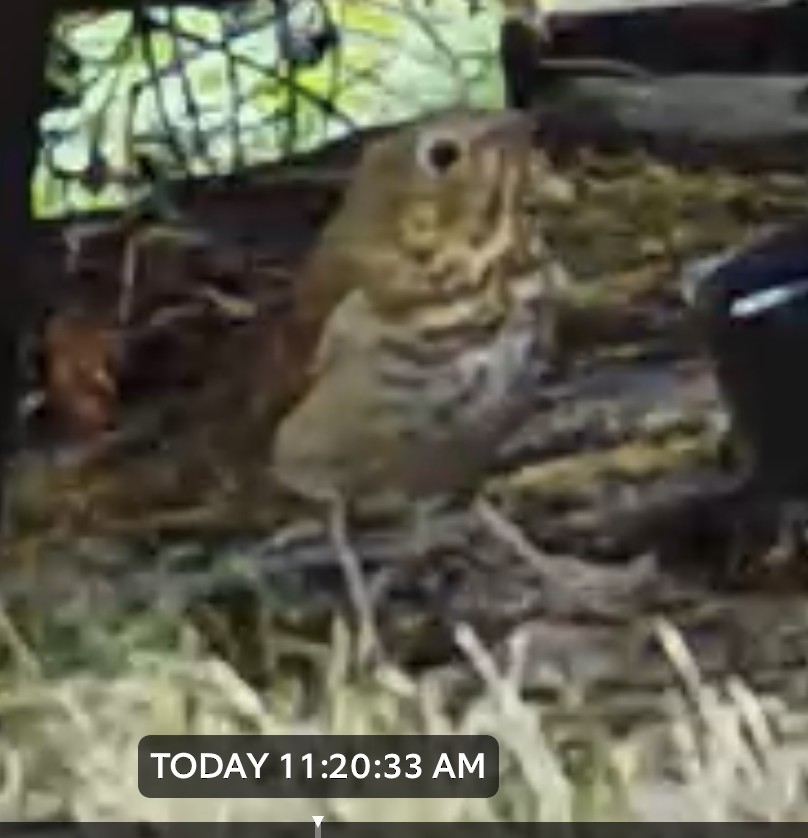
x: 304, y: 43
x: 63, y: 87
x: 519, y: 55
x: 753, y: 309
x: 687, y: 37
x: 533, y: 73
x: 22, y: 92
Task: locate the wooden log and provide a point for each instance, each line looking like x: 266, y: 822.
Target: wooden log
x: 695, y: 83
x: 741, y: 122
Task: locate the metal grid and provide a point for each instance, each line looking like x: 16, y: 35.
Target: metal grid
x: 186, y: 91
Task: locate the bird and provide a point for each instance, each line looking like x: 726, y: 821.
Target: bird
x: 419, y: 334
x: 430, y: 311
x: 430, y: 303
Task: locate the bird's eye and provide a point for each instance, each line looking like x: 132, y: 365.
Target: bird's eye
x: 437, y: 155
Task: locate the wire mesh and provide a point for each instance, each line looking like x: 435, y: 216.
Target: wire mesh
x: 187, y: 92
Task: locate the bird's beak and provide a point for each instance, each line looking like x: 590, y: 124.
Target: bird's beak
x: 509, y: 129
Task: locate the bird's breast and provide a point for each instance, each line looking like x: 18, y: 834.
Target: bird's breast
x: 462, y: 388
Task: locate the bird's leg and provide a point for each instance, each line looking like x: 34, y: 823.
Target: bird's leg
x: 368, y: 643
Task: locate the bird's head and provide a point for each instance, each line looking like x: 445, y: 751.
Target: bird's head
x: 451, y: 177
x: 437, y: 206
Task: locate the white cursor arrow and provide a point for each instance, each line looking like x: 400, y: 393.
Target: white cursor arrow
x: 318, y: 822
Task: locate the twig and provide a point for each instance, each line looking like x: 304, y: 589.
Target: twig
x: 136, y: 244
x: 571, y: 584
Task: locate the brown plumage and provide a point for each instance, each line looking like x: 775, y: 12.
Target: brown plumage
x: 432, y: 296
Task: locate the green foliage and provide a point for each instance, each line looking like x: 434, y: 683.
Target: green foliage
x: 199, y: 92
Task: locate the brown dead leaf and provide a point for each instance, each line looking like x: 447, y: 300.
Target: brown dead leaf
x: 81, y: 359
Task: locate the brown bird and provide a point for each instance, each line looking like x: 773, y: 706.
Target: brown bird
x: 432, y: 296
